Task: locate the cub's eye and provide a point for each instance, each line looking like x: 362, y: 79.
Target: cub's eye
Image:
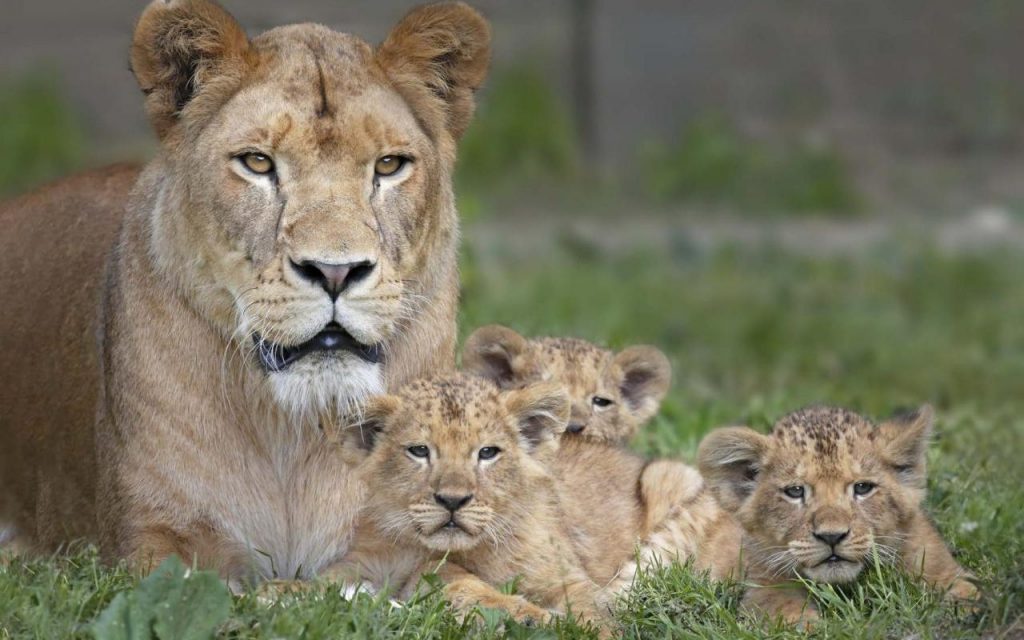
x: 863, y: 488
x: 419, y: 451
x: 796, y: 492
x: 389, y: 165
x: 486, y: 453
x: 258, y: 163
x: 601, y: 402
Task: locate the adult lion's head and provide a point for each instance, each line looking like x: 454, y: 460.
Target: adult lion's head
x: 302, y: 202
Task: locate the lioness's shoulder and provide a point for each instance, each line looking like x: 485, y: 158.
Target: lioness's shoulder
x: 98, y: 188
x: 75, y: 218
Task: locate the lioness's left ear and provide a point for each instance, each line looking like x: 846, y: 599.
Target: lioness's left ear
x: 437, y: 56
x: 903, y: 441
x: 646, y: 374
x: 541, y: 412
x: 181, y: 48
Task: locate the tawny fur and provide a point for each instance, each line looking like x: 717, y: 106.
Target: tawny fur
x: 613, y: 394
x: 625, y: 512
x: 510, y: 527
x: 622, y: 511
x: 133, y: 299
x: 827, y: 452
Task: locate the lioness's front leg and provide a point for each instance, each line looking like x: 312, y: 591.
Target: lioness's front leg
x: 465, y: 591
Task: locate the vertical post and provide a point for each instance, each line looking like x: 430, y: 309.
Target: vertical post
x: 582, y: 28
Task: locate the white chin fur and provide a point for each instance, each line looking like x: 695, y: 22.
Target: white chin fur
x: 317, y: 385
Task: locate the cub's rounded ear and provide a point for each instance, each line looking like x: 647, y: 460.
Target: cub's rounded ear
x: 903, y: 443
x: 360, y: 438
x: 498, y: 354
x: 730, y: 459
x: 437, y: 57
x: 181, y: 47
x: 541, y: 412
x: 646, y: 375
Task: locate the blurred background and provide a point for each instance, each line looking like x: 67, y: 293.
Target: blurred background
x: 807, y: 200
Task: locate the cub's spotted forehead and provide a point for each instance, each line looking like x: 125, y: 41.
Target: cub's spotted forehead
x: 452, y: 398
x: 823, y: 432
x: 576, y: 361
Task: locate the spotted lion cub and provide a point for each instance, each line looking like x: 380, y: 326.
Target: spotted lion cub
x: 616, y: 502
x: 458, y: 485
x: 612, y: 394
x: 822, y: 496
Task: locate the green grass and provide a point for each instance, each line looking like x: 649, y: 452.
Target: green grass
x: 711, y: 162
x: 40, y: 136
x: 752, y: 335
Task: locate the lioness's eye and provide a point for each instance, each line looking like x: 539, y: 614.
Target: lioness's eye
x: 419, y: 451
x: 389, y: 165
x: 600, y: 401
x: 257, y: 163
x: 863, y: 488
x: 796, y: 491
x: 486, y: 453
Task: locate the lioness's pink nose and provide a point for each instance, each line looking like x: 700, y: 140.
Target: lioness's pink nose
x: 334, y: 278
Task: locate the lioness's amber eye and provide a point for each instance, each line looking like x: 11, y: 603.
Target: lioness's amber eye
x: 257, y: 163
x: 419, y: 451
x: 486, y: 453
x: 796, y: 492
x: 389, y: 165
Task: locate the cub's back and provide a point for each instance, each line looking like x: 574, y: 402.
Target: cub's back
x: 53, y: 251
x: 599, y: 488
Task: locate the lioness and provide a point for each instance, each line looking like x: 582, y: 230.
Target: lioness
x: 290, y: 251
x: 457, y: 471
x: 824, y: 495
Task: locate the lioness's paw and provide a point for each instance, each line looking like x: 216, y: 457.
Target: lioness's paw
x: 270, y: 591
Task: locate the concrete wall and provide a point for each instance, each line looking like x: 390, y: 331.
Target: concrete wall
x: 907, y: 76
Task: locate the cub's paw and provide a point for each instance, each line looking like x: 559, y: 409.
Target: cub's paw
x: 527, y: 613
x: 963, y: 593
x: 963, y: 590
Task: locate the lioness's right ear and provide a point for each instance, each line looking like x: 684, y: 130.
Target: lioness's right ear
x: 437, y: 57
x: 541, y: 412
x: 180, y: 47
x: 730, y: 459
x: 498, y: 354
x: 363, y: 437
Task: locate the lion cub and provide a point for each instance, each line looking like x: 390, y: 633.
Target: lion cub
x: 456, y: 470
x: 615, y: 501
x: 613, y: 394
x: 824, y: 494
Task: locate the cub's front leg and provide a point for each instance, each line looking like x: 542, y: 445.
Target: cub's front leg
x: 782, y: 600
x: 925, y: 554
x: 465, y: 591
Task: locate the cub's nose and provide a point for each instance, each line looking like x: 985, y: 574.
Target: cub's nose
x: 831, y: 538
x: 452, y: 503
x: 333, y: 278
x: 576, y: 427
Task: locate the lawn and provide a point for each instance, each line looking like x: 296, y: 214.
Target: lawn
x: 752, y: 334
